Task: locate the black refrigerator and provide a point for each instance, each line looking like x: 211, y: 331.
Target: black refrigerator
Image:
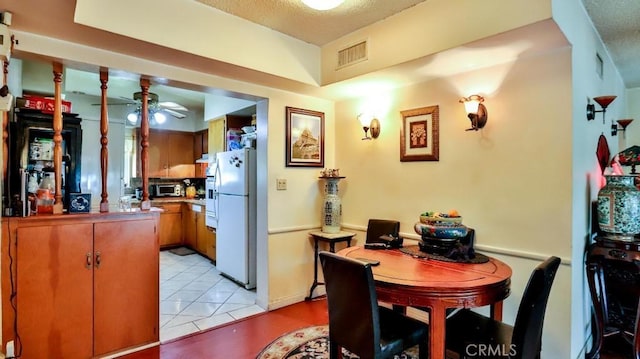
x: 31, y: 157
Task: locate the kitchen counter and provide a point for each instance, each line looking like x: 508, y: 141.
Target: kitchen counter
x: 163, y: 200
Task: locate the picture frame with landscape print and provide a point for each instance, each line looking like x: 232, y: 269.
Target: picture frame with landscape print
x: 419, y: 134
x: 304, y: 138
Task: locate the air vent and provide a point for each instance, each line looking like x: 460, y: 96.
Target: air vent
x: 352, y: 54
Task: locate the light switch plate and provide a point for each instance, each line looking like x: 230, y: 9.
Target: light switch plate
x: 281, y: 184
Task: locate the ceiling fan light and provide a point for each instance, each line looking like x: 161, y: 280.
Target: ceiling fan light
x: 322, y: 4
x: 132, y: 118
x: 159, y: 117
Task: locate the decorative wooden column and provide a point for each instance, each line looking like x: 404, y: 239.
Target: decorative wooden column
x: 57, y: 136
x: 145, y: 204
x: 104, y: 130
x: 5, y: 121
x: 5, y: 128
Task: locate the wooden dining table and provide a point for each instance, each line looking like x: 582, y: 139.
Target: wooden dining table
x: 407, y: 280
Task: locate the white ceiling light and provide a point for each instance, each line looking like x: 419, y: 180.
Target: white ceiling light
x: 322, y: 4
x: 159, y: 117
x: 132, y: 117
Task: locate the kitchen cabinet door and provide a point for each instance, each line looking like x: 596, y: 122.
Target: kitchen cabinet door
x: 170, y: 226
x: 181, y: 163
x: 158, y: 155
x: 217, y: 135
x: 126, y: 286
x: 55, y: 291
x: 170, y: 154
x: 201, y: 244
x: 189, y: 226
x: 206, y: 238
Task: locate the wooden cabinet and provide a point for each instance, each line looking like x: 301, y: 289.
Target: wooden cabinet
x: 126, y: 287
x: 205, y: 237
x: 189, y: 226
x: 170, y: 226
x: 613, y: 274
x: 54, y: 290
x: 170, y: 154
x: 218, y: 131
x: 196, y: 234
x: 83, y: 288
x: 200, y: 148
x: 200, y: 143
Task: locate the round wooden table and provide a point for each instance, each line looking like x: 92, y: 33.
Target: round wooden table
x: 405, y: 280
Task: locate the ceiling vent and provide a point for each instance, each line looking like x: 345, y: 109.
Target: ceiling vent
x: 352, y: 54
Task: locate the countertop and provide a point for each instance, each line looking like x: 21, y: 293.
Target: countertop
x: 159, y: 201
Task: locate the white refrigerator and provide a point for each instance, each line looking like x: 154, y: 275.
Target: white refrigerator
x: 236, y: 231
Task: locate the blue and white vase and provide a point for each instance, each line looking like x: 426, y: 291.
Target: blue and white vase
x: 331, y: 206
x: 619, y: 207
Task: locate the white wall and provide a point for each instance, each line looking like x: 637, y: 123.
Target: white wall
x: 632, y: 135
x: 511, y: 181
x: 586, y: 177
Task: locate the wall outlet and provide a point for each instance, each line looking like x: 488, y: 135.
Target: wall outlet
x: 281, y: 184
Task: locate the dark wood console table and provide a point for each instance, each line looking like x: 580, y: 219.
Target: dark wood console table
x: 332, y: 239
x: 613, y: 274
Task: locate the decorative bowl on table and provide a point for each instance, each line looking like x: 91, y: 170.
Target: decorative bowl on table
x: 441, y: 230
x: 440, y: 219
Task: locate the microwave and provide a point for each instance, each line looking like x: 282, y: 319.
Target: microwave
x: 167, y: 190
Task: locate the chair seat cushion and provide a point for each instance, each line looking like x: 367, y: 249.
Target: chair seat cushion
x: 470, y: 333
x: 399, y: 332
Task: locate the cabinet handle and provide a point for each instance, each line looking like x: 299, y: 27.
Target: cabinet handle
x: 88, y: 262
x: 98, y: 259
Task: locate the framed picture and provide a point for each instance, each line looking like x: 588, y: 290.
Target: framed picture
x: 305, y: 138
x: 419, y: 134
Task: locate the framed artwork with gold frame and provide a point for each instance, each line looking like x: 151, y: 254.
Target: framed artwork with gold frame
x: 304, y: 138
x: 419, y: 134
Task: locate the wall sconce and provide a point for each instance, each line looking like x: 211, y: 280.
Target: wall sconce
x: 623, y: 123
x: 603, y: 101
x: 476, y: 111
x: 369, y: 122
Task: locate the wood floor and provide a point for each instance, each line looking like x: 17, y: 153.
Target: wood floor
x: 243, y: 339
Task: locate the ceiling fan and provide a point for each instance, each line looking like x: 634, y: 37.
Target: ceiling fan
x: 157, y: 110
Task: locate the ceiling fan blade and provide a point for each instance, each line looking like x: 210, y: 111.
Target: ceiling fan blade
x: 115, y: 104
x: 172, y: 106
x: 174, y: 113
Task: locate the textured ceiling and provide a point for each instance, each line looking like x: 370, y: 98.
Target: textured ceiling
x: 618, y: 23
x: 295, y: 19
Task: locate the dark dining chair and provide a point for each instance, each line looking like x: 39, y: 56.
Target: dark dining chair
x: 469, y: 333
x: 381, y: 227
x: 356, y: 322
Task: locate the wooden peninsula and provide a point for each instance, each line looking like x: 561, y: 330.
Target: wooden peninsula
x: 81, y: 285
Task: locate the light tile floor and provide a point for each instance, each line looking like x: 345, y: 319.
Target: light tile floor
x: 194, y: 296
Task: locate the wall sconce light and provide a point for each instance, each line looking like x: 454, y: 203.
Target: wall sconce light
x: 369, y: 122
x: 603, y: 101
x: 476, y: 111
x: 621, y: 126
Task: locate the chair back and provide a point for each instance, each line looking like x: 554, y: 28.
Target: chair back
x: 527, y: 330
x: 380, y: 227
x: 354, y: 321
